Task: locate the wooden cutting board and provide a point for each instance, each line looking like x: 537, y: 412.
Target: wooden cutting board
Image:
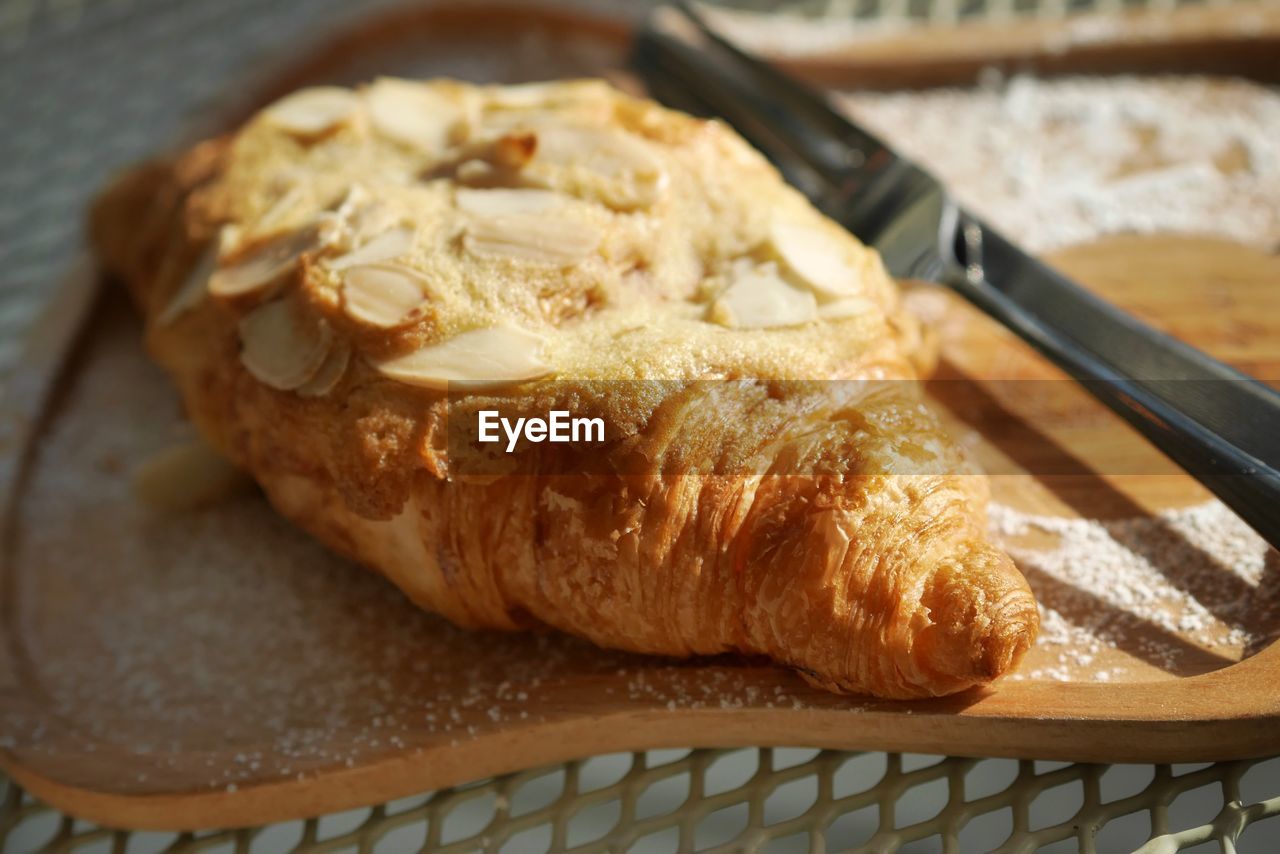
x: 182, y: 670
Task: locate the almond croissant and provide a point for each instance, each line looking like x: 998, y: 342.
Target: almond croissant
x: 344, y: 285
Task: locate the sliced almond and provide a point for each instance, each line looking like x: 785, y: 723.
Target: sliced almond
x: 283, y: 344
x: 480, y: 358
x: 384, y: 247
x: 187, y: 476
x: 355, y: 219
x: 502, y: 202
x: 523, y: 96
x: 848, y: 307
x: 816, y: 256
x: 377, y: 219
x: 280, y: 209
x: 384, y: 296
x: 311, y: 112
x: 515, y: 150
x: 758, y: 298
x: 621, y: 170
x: 530, y: 95
x: 194, y: 288
x: 412, y: 114
x: 356, y: 198
x: 476, y: 172
x: 257, y: 269
x: 330, y: 373
x: 529, y: 237
x: 364, y: 215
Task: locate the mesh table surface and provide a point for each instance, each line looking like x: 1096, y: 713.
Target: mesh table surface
x: 782, y: 799
x: 87, y: 86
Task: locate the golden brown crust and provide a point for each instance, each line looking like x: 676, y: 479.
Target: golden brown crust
x: 832, y: 527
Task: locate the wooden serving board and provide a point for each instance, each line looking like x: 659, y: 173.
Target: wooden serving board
x: 185, y: 670
x: 1236, y: 37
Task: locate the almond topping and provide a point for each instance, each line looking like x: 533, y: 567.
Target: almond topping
x: 355, y: 199
x: 412, y: 114
x: 529, y: 237
x: 284, y: 345
x: 817, y: 257
x: 480, y: 358
x: 311, y: 112
x: 476, y: 172
x: 758, y: 299
x: 528, y: 95
x: 384, y: 247
x: 515, y: 150
x: 330, y: 373
x: 618, y: 168
x: 522, y: 95
x: 355, y: 219
x: 848, y: 307
x: 193, y: 289
x: 383, y: 296
x: 280, y: 209
x: 264, y: 265
x: 500, y: 202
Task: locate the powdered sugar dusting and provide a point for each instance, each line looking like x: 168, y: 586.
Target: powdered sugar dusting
x: 1182, y: 591
x: 1057, y: 162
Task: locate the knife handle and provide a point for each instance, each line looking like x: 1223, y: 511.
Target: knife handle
x: 1225, y: 432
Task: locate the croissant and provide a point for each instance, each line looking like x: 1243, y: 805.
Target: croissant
x: 348, y: 286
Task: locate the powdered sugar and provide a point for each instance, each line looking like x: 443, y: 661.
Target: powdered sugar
x: 1064, y: 161
x: 1180, y: 591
